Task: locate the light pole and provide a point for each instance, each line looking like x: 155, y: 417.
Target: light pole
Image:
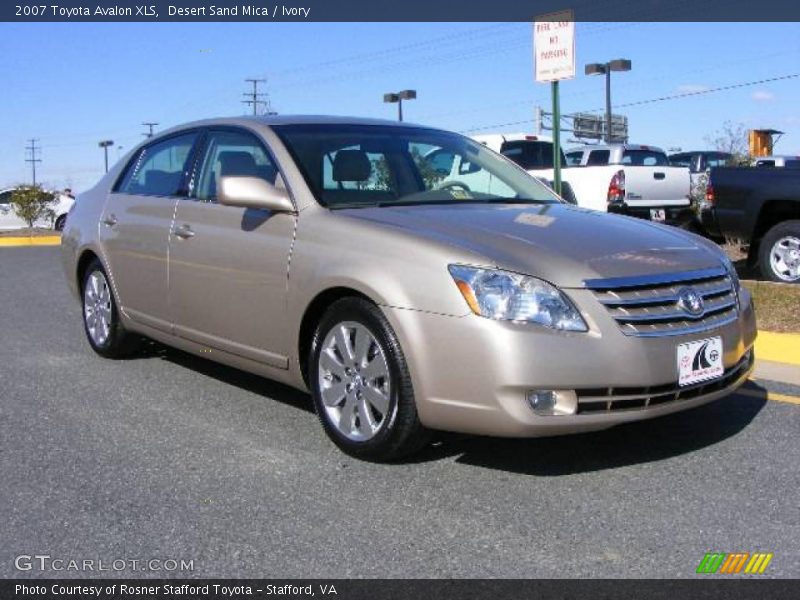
x: 619, y: 64
x: 399, y: 97
x: 104, y: 145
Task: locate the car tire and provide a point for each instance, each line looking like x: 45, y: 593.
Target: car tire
x: 779, y: 253
x: 361, y: 386
x: 101, y: 323
x: 60, y: 222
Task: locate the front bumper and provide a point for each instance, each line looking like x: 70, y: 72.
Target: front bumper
x: 472, y: 374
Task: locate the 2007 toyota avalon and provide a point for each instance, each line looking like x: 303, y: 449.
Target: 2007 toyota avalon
x: 354, y: 258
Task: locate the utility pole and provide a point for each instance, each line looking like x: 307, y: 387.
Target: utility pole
x: 33, y: 158
x: 149, y: 125
x: 104, y: 145
x: 255, y: 97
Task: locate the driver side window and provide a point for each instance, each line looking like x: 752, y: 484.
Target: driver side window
x: 231, y: 154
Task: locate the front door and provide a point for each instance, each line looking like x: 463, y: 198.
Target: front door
x: 228, y: 267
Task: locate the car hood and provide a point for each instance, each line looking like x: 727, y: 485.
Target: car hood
x: 562, y: 244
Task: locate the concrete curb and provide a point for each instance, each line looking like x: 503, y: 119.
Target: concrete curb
x: 42, y: 240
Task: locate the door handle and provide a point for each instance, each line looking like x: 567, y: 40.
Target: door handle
x: 110, y: 220
x: 184, y: 232
x: 659, y: 175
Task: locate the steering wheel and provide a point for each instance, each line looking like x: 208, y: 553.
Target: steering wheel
x: 455, y: 184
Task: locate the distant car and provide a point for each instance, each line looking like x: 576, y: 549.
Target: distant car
x: 700, y: 161
x: 788, y: 162
x: 343, y: 256
x: 758, y: 209
x: 628, y: 179
x: 9, y: 219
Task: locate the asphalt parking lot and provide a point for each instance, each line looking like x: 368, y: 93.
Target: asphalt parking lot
x: 169, y: 456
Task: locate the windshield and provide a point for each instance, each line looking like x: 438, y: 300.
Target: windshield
x: 349, y: 166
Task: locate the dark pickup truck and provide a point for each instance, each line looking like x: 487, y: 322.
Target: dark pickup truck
x: 759, y: 209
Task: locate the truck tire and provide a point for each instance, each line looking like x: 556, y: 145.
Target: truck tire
x: 779, y: 253
x: 567, y: 193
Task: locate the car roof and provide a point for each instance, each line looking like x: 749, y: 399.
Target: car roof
x: 698, y: 152
x: 270, y: 120
x: 511, y: 137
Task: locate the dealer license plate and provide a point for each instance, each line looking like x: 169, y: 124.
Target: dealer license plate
x: 658, y: 214
x: 700, y: 360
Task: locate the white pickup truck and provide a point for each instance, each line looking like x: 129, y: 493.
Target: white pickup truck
x: 623, y: 178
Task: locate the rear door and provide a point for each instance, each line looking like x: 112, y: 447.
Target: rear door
x: 135, y: 227
x: 228, y: 266
x: 650, y: 180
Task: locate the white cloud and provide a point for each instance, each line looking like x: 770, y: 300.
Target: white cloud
x: 763, y: 96
x: 692, y: 88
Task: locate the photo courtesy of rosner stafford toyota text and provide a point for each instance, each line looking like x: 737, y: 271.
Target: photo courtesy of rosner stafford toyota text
x: 355, y: 300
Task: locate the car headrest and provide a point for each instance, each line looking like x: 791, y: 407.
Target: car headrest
x: 239, y: 164
x: 351, y: 165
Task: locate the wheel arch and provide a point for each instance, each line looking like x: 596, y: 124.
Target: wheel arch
x: 86, y: 258
x: 312, y: 315
x: 772, y: 213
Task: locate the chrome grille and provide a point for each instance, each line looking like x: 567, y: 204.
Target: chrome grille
x: 651, y: 307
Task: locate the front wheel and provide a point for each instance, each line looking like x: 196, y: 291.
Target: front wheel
x: 101, y: 321
x: 779, y: 253
x: 60, y: 222
x: 360, y: 384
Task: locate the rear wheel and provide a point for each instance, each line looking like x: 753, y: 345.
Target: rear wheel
x: 779, y: 253
x: 60, y: 222
x: 101, y: 322
x: 360, y: 384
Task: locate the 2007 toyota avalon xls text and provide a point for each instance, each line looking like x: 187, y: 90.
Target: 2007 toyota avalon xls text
x: 347, y: 257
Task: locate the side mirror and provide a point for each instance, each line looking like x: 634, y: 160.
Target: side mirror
x: 253, y: 192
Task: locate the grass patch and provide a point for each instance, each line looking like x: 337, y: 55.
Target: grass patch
x: 35, y: 232
x: 777, y: 305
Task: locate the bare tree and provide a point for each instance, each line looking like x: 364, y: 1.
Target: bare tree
x: 731, y: 138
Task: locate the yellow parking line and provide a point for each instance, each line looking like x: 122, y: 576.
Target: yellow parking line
x: 42, y: 240
x: 770, y: 395
x: 778, y: 347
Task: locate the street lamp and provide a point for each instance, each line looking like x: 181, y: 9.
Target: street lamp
x: 399, y: 97
x: 620, y: 64
x: 104, y: 145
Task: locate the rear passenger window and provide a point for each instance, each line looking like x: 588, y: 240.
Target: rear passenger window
x: 598, y: 157
x: 644, y: 158
x: 232, y: 154
x: 158, y: 169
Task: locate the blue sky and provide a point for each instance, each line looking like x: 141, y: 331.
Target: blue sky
x: 72, y: 84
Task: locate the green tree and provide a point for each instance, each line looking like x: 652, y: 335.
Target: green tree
x: 32, y: 204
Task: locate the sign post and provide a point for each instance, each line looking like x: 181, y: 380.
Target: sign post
x: 554, y: 59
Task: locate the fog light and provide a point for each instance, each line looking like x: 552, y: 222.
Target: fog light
x: 553, y: 402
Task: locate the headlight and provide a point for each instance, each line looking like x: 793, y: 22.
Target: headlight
x: 507, y: 296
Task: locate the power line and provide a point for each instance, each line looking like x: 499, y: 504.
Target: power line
x: 713, y: 90
x: 33, y: 158
x: 723, y: 88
